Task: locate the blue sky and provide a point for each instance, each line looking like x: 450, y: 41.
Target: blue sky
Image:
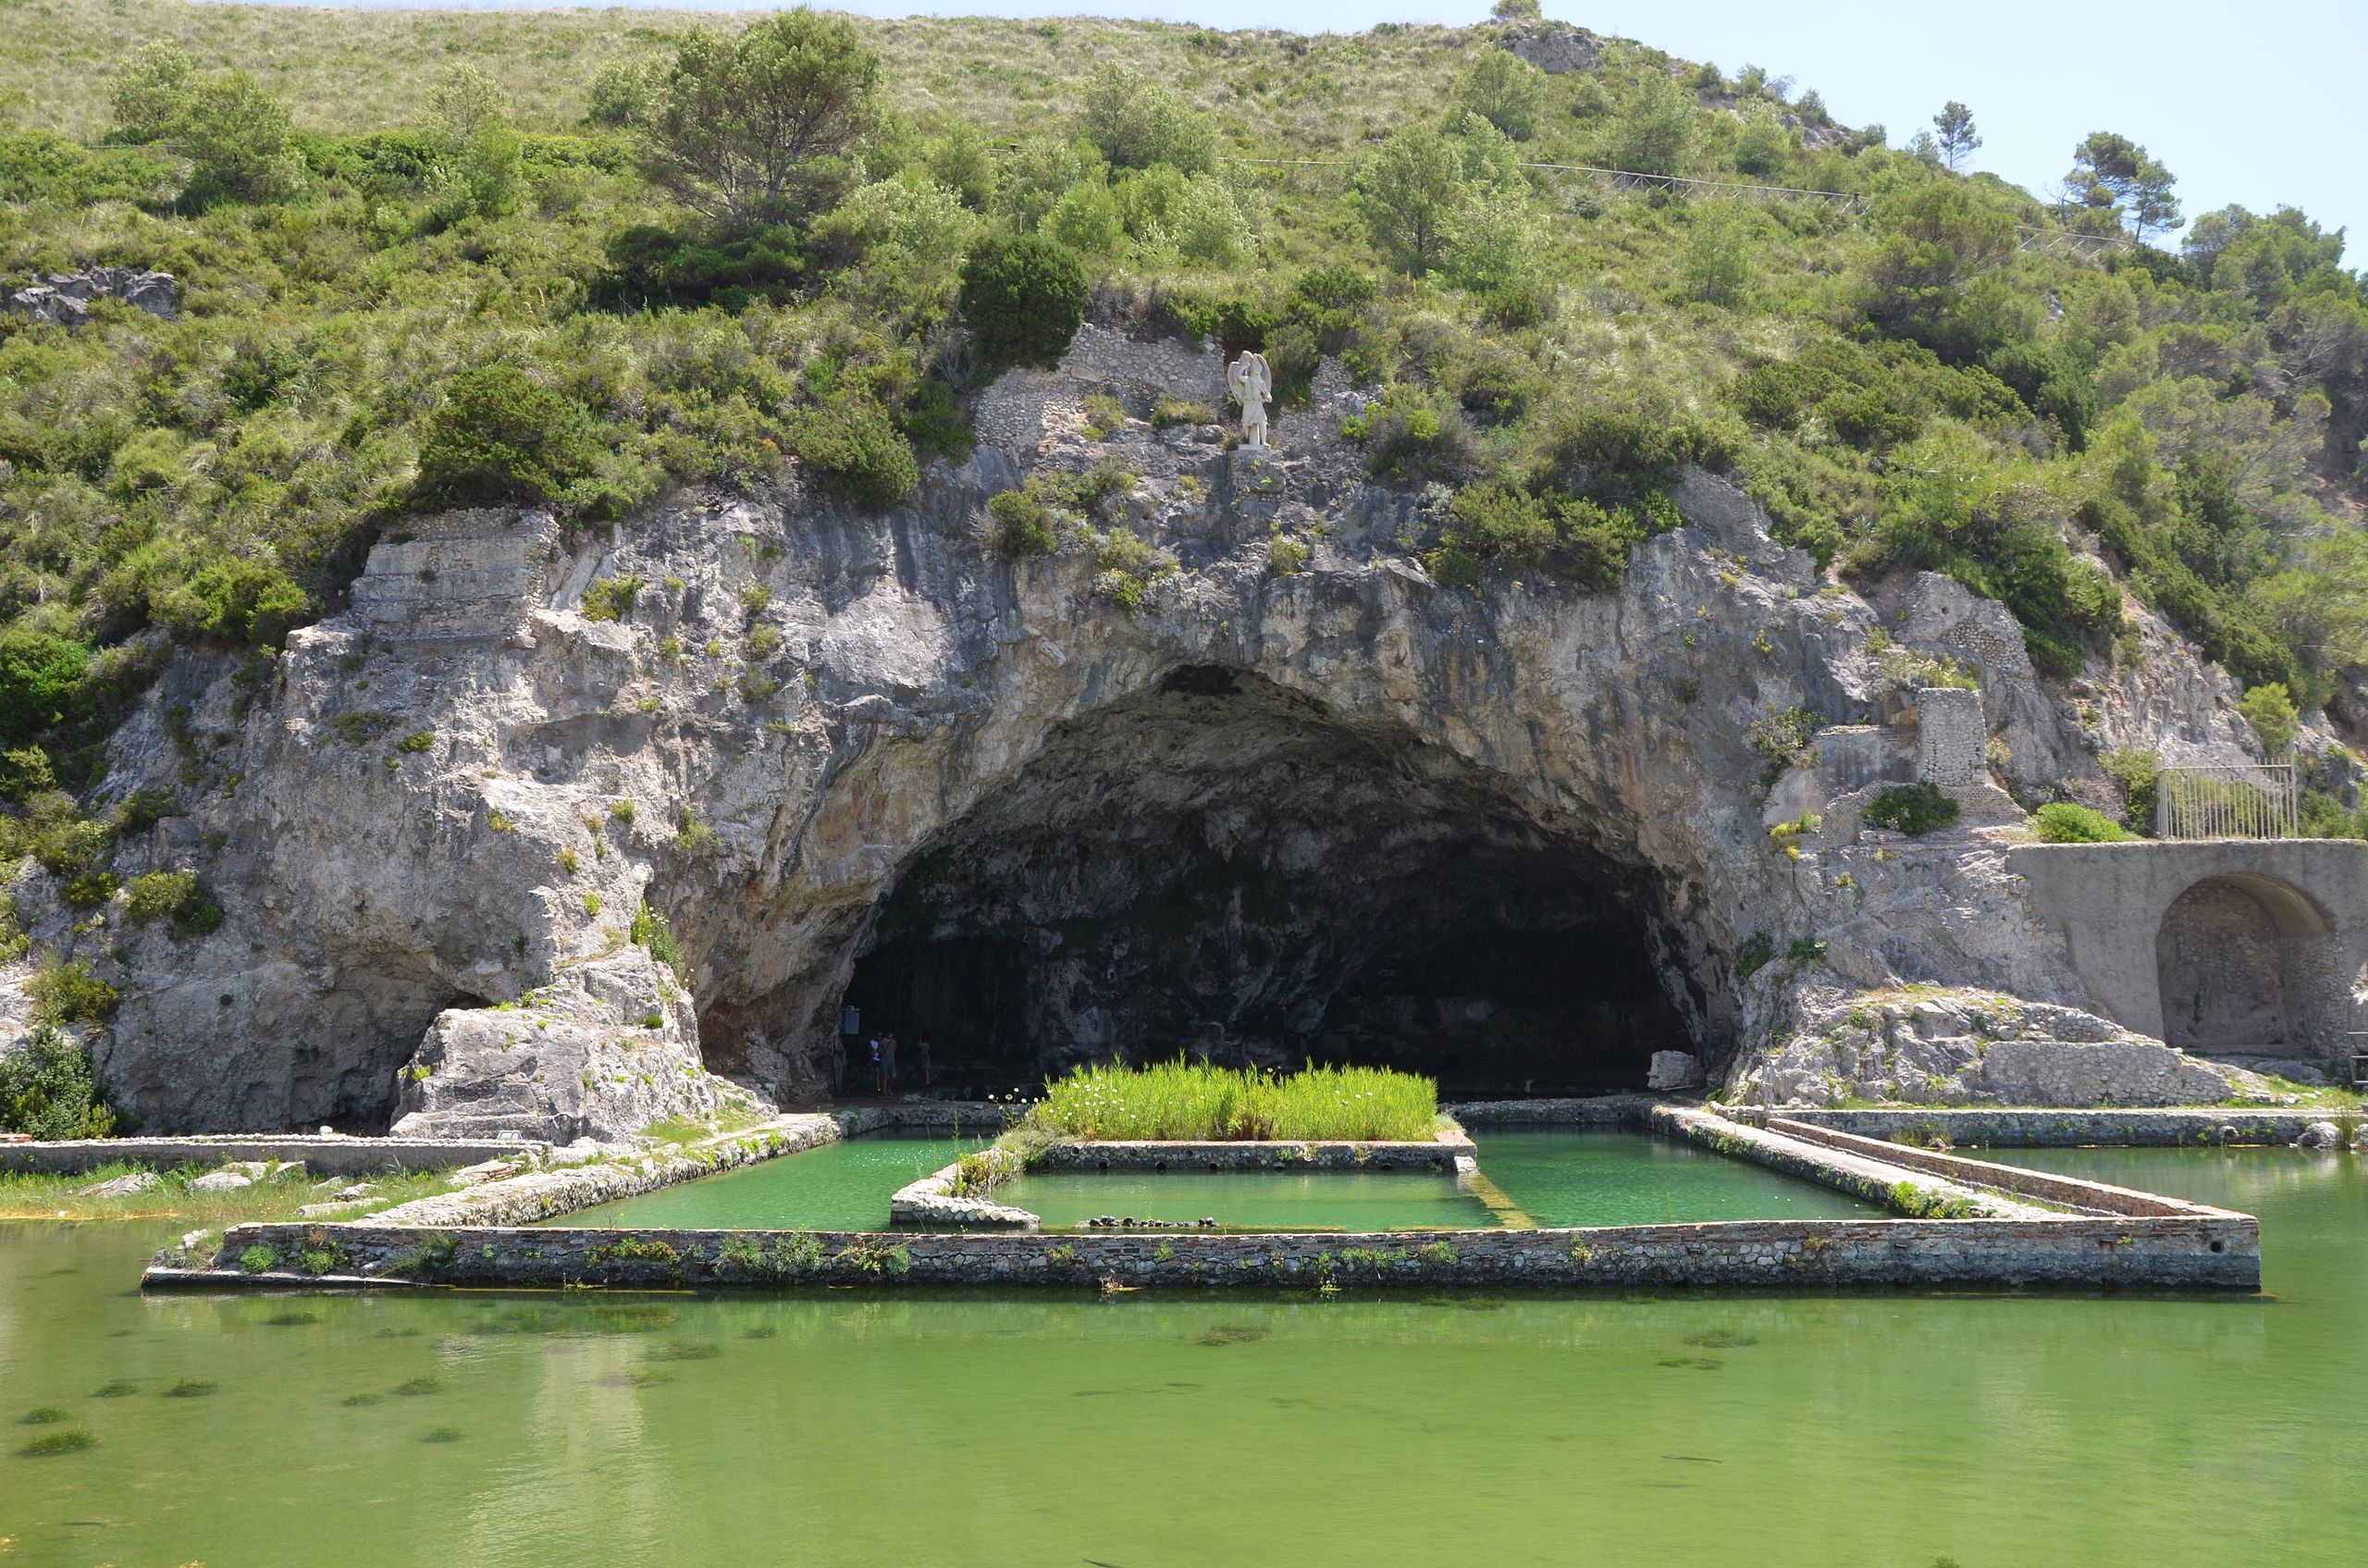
x: 2260, y: 103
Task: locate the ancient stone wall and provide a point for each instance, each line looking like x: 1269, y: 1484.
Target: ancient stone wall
x: 2222, y: 1254
x: 1950, y: 737
x: 2069, y: 1129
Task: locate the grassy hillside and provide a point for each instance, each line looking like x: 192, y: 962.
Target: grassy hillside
x: 435, y: 257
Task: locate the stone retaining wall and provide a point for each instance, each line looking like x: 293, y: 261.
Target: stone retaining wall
x: 1600, y: 1110
x: 322, y: 1154
x: 984, y: 1117
x: 1440, y: 1153
x: 544, y: 1195
x: 1875, y: 1177
x: 933, y: 1200
x: 2042, y: 1127
x: 2220, y: 1254
x: 2041, y: 1185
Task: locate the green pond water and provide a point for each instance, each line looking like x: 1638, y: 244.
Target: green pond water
x: 1154, y: 1431
x: 842, y: 1186
x: 1555, y: 1177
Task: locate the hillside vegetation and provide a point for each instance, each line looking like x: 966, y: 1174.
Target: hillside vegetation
x: 570, y: 259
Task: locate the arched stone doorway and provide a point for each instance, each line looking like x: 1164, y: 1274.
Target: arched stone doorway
x: 2245, y: 962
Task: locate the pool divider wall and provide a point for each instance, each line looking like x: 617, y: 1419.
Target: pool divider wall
x: 1437, y: 1154
x: 2061, y: 1250
x: 2059, y: 1128
x: 1870, y: 1174
x: 548, y: 1193
x: 935, y: 1199
x: 2044, y: 1186
x: 324, y: 1154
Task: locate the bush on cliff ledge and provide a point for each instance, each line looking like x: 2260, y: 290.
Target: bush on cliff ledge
x: 1024, y: 297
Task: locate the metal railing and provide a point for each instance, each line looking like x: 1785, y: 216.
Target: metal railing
x: 2245, y: 800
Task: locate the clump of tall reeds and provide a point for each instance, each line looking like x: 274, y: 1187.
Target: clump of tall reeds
x: 1190, y: 1099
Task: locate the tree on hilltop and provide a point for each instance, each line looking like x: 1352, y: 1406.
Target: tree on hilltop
x: 2113, y: 174
x: 758, y: 129
x: 1954, y: 122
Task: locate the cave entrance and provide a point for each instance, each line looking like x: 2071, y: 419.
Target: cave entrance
x: 1223, y: 869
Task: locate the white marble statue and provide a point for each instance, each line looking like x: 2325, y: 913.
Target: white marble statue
x: 1251, y: 383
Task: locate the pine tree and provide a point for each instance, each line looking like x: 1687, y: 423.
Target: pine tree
x: 1954, y: 122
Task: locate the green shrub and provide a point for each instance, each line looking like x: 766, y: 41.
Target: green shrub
x: 1137, y: 122
x: 175, y: 895
x: 1022, y: 524
x: 502, y: 436
x: 648, y: 266
x: 251, y: 603
x: 1912, y: 809
x: 1169, y: 412
x: 609, y: 599
x: 48, y: 1088
x: 39, y: 674
x: 2139, y: 775
x: 1571, y: 539
x: 1413, y: 433
x: 1627, y: 442
x: 858, y: 451
x: 63, y: 993
x: 25, y: 772
x: 1024, y: 297
x: 1754, y: 955
x: 650, y: 931
x: 2062, y: 823
x: 2323, y: 816
x: 2270, y: 711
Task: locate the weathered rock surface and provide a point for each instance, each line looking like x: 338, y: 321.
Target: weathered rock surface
x: 1555, y: 48
x: 120, y: 1186
x: 64, y: 299
x: 600, y: 1053
x: 1934, y: 1047
x: 1153, y: 799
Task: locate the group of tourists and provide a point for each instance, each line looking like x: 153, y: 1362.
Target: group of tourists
x: 883, y: 1055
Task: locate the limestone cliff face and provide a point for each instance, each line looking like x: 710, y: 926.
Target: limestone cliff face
x: 845, y: 754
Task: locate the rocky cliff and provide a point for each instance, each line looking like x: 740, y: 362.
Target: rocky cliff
x: 553, y: 827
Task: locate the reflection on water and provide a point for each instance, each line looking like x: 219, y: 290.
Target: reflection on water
x: 840, y: 1426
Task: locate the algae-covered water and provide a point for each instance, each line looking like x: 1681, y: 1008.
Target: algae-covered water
x: 1550, y: 1178
x: 841, y: 1186
x: 1147, y: 1431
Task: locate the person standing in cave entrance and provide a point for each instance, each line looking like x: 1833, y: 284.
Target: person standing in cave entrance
x: 879, y: 1080
x: 928, y: 1068
x: 888, y: 1062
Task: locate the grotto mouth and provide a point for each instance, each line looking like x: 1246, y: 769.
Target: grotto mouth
x: 1223, y: 869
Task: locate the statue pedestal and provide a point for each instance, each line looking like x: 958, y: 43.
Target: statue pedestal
x: 1256, y: 470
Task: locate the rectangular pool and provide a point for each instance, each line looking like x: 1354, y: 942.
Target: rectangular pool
x: 1543, y: 1177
